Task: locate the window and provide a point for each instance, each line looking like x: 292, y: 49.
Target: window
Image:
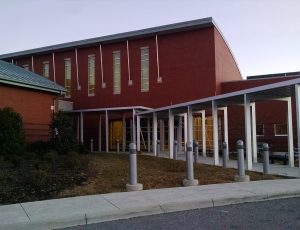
x: 26, y: 66
x: 145, y: 69
x: 117, y: 72
x: 68, y: 77
x: 280, y: 129
x: 46, y: 69
x: 260, y: 130
x: 91, y: 75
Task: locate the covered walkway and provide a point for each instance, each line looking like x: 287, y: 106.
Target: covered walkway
x: 183, y: 115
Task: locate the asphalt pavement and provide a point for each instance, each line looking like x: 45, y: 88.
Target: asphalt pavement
x: 273, y: 214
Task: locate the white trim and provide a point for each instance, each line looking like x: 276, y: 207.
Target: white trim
x: 128, y: 63
x: 159, y: 79
x: 32, y: 64
x: 279, y: 135
x: 103, y: 84
x: 77, y: 73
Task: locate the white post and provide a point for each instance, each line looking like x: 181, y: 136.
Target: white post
x: 215, y: 132
x: 171, y: 134
x: 185, y: 130
x: 106, y: 132
x: 81, y: 128
x: 133, y: 127
x: 203, y: 133
x: 179, y: 134
x: 297, y: 97
x: 248, y: 132
x: 162, y: 134
x: 124, y: 133
x: 290, y: 132
x: 154, y: 134
x: 225, y: 127
x: 99, y: 134
x: 190, y: 124
x: 148, y: 134
x: 254, y: 136
x: 138, y: 132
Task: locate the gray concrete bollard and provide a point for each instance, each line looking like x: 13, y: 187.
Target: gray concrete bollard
x: 133, y: 185
x: 118, y: 145
x: 196, y: 151
x: 241, y: 164
x: 158, y: 148
x: 265, y: 149
x: 224, y: 154
x: 190, y: 181
x: 92, y: 145
x: 175, y: 149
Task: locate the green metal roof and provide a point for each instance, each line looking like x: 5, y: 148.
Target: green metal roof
x: 13, y: 75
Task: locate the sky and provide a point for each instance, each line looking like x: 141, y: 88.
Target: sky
x: 264, y: 35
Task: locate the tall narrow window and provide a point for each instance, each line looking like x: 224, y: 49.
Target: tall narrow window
x: 145, y: 69
x: 91, y: 75
x: 25, y: 66
x: 68, y: 77
x: 46, y: 69
x: 117, y: 72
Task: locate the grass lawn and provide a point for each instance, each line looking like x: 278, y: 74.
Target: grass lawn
x: 75, y: 175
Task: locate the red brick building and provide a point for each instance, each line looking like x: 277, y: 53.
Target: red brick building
x: 108, y: 79
x: 32, y: 96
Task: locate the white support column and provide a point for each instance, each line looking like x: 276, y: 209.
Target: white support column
x: 190, y: 124
x: 162, y: 134
x: 154, y: 134
x: 133, y: 127
x: 106, y: 132
x: 248, y: 138
x: 254, y: 136
x: 179, y: 134
x: 124, y: 133
x: 99, y: 134
x: 215, y: 132
x: 185, y: 130
x: 81, y: 128
x: 297, y: 97
x: 290, y: 132
x: 138, y: 133
x: 225, y: 117
x: 171, y: 134
x: 203, y: 133
x: 148, y: 135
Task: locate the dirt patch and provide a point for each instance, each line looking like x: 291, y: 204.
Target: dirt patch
x: 77, y: 175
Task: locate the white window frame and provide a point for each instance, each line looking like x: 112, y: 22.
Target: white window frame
x: 144, y: 80
x: 68, y: 60
x: 117, y: 73
x: 279, y: 135
x: 25, y: 66
x: 91, y: 73
x: 46, y: 63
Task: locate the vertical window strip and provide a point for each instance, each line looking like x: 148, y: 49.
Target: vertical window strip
x: 117, y: 72
x: 91, y: 75
x: 145, y: 69
x: 68, y: 77
x: 46, y: 69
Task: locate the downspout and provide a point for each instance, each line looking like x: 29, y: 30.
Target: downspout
x: 77, y: 77
x: 32, y: 65
x: 128, y: 64
x: 159, y: 79
x: 101, y: 65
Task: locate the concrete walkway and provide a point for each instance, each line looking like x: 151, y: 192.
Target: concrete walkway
x: 283, y: 170
x: 59, y: 213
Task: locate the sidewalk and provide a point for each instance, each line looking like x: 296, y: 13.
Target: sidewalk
x: 82, y: 210
x: 283, y: 170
